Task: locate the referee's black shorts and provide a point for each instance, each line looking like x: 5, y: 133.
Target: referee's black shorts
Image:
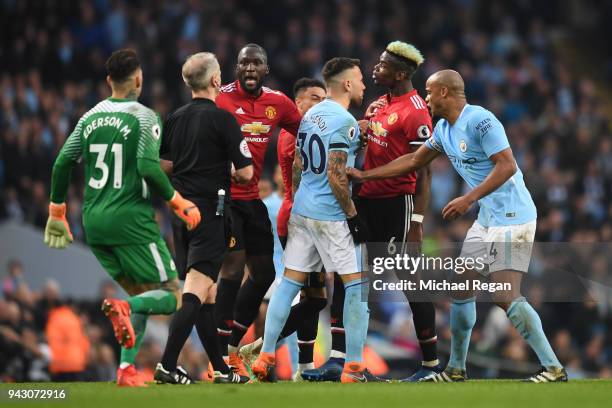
x: 388, y: 219
x: 251, y: 228
x: 204, y: 248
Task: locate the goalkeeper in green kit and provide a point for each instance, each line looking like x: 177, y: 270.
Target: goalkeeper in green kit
x: 118, y: 141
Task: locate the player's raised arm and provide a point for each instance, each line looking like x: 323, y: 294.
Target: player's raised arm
x: 57, y: 230
x: 402, y: 165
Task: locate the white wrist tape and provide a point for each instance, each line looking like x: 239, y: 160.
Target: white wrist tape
x: 417, y: 218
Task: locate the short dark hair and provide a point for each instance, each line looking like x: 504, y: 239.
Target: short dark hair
x: 121, y: 64
x: 303, y: 83
x: 337, y: 65
x: 258, y: 48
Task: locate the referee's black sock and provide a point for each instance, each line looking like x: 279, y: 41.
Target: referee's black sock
x: 337, y: 316
x: 424, y: 318
x: 180, y: 326
x: 227, y: 290
x: 207, y: 331
x: 305, y: 312
x: 246, y: 309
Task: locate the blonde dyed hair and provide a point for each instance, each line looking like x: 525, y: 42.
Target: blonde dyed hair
x: 405, y: 50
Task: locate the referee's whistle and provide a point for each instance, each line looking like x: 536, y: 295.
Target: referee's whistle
x: 220, y: 202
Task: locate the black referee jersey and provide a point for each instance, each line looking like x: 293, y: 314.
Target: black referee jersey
x: 202, y: 141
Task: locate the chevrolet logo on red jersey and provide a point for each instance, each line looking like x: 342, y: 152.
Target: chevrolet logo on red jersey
x: 255, y: 128
x: 377, y: 129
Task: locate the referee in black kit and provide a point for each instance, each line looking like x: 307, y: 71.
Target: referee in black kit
x: 200, y: 142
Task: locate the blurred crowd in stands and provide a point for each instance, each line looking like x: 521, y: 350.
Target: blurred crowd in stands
x: 52, y: 56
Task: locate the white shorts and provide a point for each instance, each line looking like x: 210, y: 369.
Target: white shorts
x: 312, y: 244
x: 502, y: 248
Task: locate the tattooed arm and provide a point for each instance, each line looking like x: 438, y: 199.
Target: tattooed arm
x: 339, y: 182
x: 296, y: 172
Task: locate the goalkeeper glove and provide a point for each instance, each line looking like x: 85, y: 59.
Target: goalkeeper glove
x: 185, y: 210
x: 57, y: 231
x: 358, y: 228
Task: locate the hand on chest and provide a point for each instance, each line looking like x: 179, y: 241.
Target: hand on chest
x: 385, y: 124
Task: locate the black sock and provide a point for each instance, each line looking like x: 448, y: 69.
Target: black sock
x: 227, y: 290
x: 180, y: 327
x: 246, y: 309
x: 306, y: 311
x: 207, y: 332
x: 424, y: 318
x: 307, y: 334
x: 337, y: 315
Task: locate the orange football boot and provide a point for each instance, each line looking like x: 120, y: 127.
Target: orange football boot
x: 353, y: 372
x: 263, y: 365
x: 118, y: 312
x: 129, y: 377
x: 236, y: 364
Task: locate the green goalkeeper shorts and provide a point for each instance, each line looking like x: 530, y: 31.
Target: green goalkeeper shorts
x: 141, y: 263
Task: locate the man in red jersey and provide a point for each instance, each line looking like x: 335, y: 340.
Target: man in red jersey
x: 259, y: 111
x: 398, y: 122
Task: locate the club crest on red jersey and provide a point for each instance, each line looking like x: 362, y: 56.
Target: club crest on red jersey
x: 270, y: 112
x: 377, y: 129
x: 392, y: 118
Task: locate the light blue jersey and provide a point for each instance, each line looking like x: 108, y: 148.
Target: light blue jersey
x: 326, y: 126
x: 477, y: 135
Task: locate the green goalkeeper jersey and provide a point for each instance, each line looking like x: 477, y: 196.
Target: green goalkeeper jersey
x: 112, y: 139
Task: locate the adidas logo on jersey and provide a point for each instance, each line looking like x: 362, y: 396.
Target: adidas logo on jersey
x: 240, y: 111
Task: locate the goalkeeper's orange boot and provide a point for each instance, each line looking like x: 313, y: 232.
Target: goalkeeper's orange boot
x: 353, y: 372
x: 263, y: 366
x: 129, y: 377
x: 236, y: 364
x: 118, y: 312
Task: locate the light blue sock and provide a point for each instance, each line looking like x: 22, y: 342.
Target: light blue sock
x: 527, y: 322
x: 462, y: 320
x: 278, y: 311
x: 356, y: 318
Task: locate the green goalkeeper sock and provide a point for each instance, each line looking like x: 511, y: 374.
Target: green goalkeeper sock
x: 128, y: 356
x: 153, y: 302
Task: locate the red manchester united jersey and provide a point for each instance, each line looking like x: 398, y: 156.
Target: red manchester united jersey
x: 286, y: 153
x: 258, y: 117
x: 394, y: 130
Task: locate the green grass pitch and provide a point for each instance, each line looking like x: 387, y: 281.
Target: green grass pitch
x: 472, y: 394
